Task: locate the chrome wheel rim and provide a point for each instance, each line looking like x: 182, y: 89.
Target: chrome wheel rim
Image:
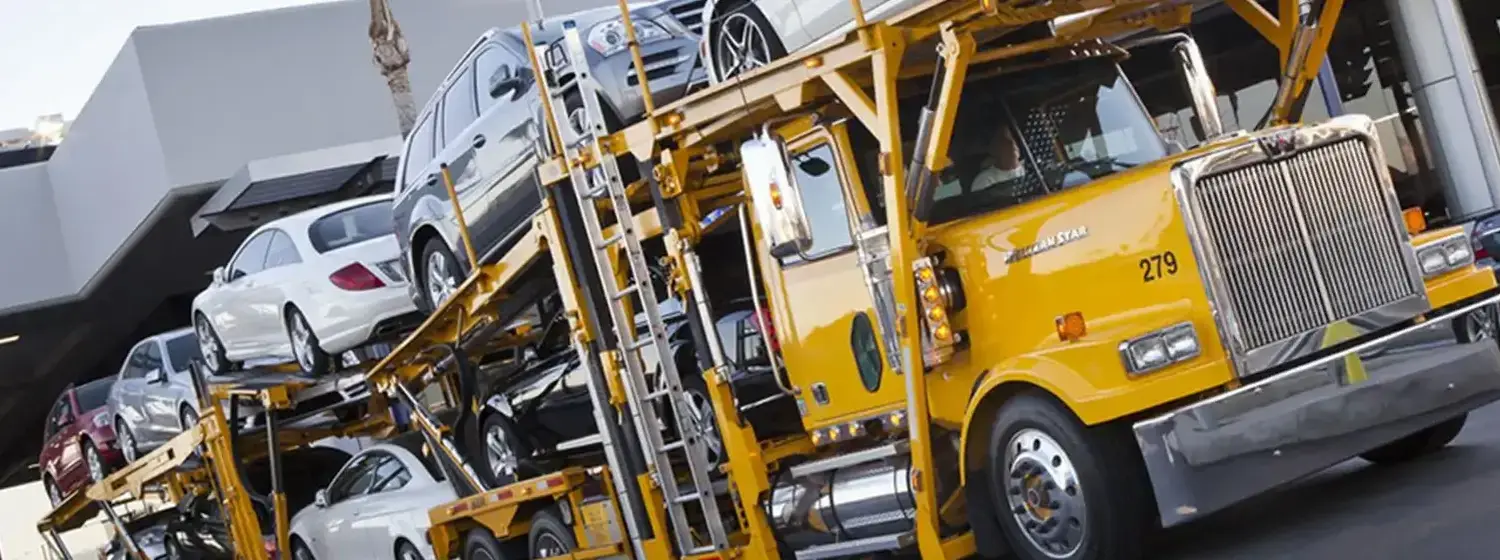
x: 701, y: 410
x: 54, y: 494
x: 96, y: 465
x: 188, y: 418
x: 127, y: 441
x: 440, y: 284
x: 548, y: 545
x: 303, y: 554
x: 1045, y: 496
x: 1480, y: 324
x: 302, y: 342
x: 576, y: 120
x: 742, y: 46
x: 408, y: 553
x: 500, y: 454
x: 208, y: 345
x: 172, y: 550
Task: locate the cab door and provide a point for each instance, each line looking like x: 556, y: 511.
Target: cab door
x: 824, y: 314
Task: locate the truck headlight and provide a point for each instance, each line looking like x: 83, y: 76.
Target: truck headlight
x: 1445, y: 255
x: 609, y: 37
x: 1159, y: 349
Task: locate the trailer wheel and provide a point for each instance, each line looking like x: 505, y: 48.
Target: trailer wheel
x: 479, y: 544
x: 1072, y: 492
x: 549, y: 536
x: 1417, y: 445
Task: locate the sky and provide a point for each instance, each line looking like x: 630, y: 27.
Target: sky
x: 53, y: 52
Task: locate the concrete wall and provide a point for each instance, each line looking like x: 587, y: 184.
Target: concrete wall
x: 185, y: 105
x: 33, y: 261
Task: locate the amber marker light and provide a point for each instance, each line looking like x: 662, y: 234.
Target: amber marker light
x: 1415, y: 222
x: 1071, y: 328
x: 776, y: 195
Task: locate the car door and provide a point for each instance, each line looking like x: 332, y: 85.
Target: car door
x: 130, y: 386
x: 228, y: 307
x: 158, y: 399
x: 337, y: 518
x: 824, y: 313
x: 378, y: 509
x: 71, y: 469
x: 51, y: 455
x: 281, y: 271
x: 502, y: 145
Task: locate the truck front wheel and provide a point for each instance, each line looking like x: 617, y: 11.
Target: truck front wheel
x: 1417, y: 445
x: 1064, y: 491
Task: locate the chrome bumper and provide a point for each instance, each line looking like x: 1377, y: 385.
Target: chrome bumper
x: 1211, y: 454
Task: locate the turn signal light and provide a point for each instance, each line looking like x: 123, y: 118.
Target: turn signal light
x: 1415, y: 222
x: 355, y: 278
x: 776, y: 195
x: 1071, y: 328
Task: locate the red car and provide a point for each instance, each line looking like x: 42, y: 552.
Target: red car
x: 79, y: 445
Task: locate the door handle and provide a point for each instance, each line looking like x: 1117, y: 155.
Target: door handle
x: 432, y: 179
x: 479, y: 141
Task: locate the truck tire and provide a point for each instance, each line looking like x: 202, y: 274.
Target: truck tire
x: 1417, y: 445
x: 549, y: 536
x: 480, y: 544
x: 1062, y: 490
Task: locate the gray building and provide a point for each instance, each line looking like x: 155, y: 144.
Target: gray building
x: 98, y: 242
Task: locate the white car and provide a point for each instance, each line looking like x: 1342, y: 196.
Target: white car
x: 375, y: 507
x: 746, y: 34
x: 307, y: 287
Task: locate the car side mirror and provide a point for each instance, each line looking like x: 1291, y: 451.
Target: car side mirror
x: 508, y: 82
x: 220, y: 276
x: 320, y: 499
x: 775, y: 194
x: 157, y: 375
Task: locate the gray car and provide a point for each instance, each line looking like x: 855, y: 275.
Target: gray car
x: 153, y: 398
x: 484, y: 123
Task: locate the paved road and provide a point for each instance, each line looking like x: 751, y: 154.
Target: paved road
x: 1446, y: 506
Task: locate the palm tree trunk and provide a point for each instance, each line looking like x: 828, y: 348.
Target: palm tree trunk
x: 392, y: 57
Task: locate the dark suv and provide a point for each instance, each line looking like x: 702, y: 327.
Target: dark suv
x: 484, y: 123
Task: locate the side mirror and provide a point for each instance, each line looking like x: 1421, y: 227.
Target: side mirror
x: 157, y: 375
x: 220, y: 276
x: 774, y: 192
x: 1199, y: 87
x: 320, y: 499
x: 508, y: 82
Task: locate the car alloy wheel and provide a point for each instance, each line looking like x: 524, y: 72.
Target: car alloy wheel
x: 174, y: 552
x: 701, y: 412
x: 96, y: 463
x: 1045, y: 496
x: 1480, y: 324
x: 53, y: 493
x: 500, y: 452
x: 741, y: 46
x: 441, y: 282
x: 300, y: 552
x: 127, y: 442
x: 187, y: 418
x: 208, y: 345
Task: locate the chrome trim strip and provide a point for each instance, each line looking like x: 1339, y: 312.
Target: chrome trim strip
x: 1186, y: 174
x: 1216, y: 452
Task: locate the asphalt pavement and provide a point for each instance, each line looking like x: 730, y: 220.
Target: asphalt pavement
x: 1444, y: 506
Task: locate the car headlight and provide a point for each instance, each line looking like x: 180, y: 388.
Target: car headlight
x: 609, y: 37
x: 1159, y: 349
x: 101, y: 421
x: 1445, y: 255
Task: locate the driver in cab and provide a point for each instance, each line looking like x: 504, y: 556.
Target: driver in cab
x: 1002, y: 164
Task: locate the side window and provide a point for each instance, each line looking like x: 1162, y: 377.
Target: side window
x: 390, y: 474
x: 458, y: 105
x: 282, y: 252
x: 418, y: 151
x: 816, y: 173
x: 135, y: 365
x: 54, y: 418
x: 353, y: 481
x: 491, y: 67
x: 153, y: 357
x: 252, y: 256
x: 64, y: 413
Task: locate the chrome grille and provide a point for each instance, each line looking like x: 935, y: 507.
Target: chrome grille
x: 690, y: 13
x: 1304, y: 241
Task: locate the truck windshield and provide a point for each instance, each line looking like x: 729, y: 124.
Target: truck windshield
x: 1024, y: 135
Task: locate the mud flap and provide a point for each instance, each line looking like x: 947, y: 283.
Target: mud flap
x: 984, y: 519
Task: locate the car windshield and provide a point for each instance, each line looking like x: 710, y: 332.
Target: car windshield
x: 351, y: 225
x: 182, y: 350
x: 94, y: 394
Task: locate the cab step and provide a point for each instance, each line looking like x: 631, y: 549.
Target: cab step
x: 882, y: 543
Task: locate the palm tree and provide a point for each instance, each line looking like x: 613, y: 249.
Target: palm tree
x: 392, y: 56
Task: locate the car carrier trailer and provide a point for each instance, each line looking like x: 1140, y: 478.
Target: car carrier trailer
x: 210, y: 457
x: 1050, y: 377
x: 1193, y: 382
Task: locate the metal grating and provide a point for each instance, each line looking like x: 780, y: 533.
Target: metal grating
x: 1304, y: 241
x: 690, y: 13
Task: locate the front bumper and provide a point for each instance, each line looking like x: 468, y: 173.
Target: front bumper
x: 1211, y: 454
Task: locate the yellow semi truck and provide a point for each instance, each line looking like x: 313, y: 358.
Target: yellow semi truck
x: 1011, y: 316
